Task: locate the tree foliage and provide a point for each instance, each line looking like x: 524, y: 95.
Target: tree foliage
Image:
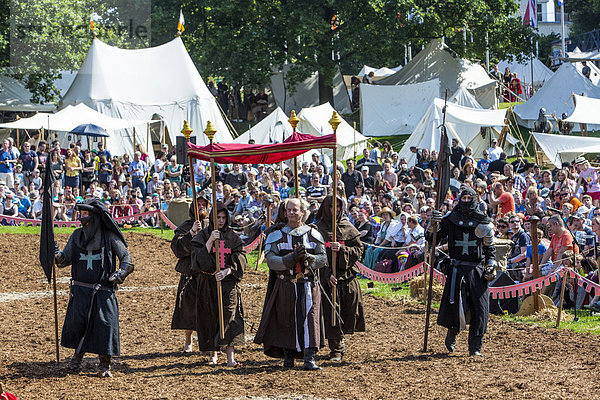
x: 584, y: 15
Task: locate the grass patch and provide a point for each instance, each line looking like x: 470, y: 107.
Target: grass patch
x: 587, y: 323
x: 386, y: 290
x: 35, y: 230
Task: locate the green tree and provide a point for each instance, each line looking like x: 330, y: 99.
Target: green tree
x: 584, y: 15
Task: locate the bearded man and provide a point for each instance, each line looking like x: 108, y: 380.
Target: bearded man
x: 92, y: 319
x: 470, y: 267
x: 290, y: 326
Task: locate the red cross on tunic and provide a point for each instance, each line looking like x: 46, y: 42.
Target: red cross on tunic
x: 222, y: 251
x: 328, y: 244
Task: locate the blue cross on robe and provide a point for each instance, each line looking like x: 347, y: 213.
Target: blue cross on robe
x: 466, y: 243
x: 90, y: 258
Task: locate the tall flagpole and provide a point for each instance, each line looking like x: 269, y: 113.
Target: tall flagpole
x: 562, y: 25
x: 334, y: 122
x: 210, y: 133
x: 294, y: 123
x: 187, y: 132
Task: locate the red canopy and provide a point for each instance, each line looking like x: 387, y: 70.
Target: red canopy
x: 297, y: 144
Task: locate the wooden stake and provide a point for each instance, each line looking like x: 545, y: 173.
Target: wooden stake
x: 562, y: 296
x: 55, y: 314
x: 334, y: 238
x: 296, y: 183
x: 216, y: 227
x: 534, y: 258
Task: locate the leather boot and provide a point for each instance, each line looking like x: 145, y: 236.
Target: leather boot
x: 337, y: 348
x: 74, y: 366
x: 288, y: 358
x: 450, y: 341
x: 309, y: 360
x: 104, y: 367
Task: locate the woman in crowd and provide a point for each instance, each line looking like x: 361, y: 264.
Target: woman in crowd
x: 56, y: 165
x: 174, y: 171
x: 88, y: 169
x: 73, y: 168
x: 381, y: 185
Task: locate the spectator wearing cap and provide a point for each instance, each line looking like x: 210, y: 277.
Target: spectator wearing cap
x: 352, y: 178
x: 154, y: 183
x: 588, y: 203
x: 368, y: 180
x: 244, y: 201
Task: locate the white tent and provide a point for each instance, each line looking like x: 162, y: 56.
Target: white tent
x: 555, y: 95
x: 464, y: 98
x: 68, y: 118
x: 437, y: 61
x: 14, y: 96
x: 395, y: 110
x: 137, y: 84
x: 541, y: 73
x: 274, y: 128
x: 462, y: 123
x: 560, y: 148
x: 378, y: 72
x: 315, y: 121
x: 306, y: 93
x: 586, y: 111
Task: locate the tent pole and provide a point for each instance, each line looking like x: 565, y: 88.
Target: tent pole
x: 294, y: 123
x: 148, y: 137
x: 334, y: 122
x: 134, y: 144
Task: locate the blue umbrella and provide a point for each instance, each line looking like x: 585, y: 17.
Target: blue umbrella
x: 90, y: 130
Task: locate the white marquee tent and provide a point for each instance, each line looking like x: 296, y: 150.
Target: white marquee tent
x: 541, y: 73
x: 306, y: 93
x: 72, y: 116
x: 576, y: 56
x: 274, y: 128
x: 565, y: 148
x: 378, y: 72
x: 555, y: 95
x: 586, y: 111
x: 137, y: 84
x: 315, y: 121
x: 462, y: 123
x: 437, y: 61
x: 464, y: 98
x: 396, y: 109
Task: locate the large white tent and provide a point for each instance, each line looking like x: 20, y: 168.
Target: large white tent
x: 555, y: 95
x: 565, y: 148
x: 274, y: 128
x: 464, y: 98
x: 306, y: 93
x: 577, y: 56
x: 462, y: 123
x: 137, y: 84
x: 315, y: 121
x: 72, y: 116
x: 397, y: 109
x: 437, y: 61
x: 586, y: 111
x: 378, y: 72
x: 541, y: 73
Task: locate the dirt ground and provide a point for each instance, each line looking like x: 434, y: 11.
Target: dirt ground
x: 521, y: 361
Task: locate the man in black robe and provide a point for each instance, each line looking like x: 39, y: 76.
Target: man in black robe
x: 349, y: 250
x: 184, y: 314
x: 290, y: 326
x: 230, y: 273
x: 92, y: 319
x: 470, y: 267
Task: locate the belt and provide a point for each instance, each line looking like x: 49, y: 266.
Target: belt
x: 456, y: 263
x: 298, y: 278
x: 95, y: 286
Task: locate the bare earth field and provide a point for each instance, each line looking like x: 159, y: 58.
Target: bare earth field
x: 521, y: 361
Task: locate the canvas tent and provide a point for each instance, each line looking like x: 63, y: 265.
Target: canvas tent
x: 464, y: 98
x: 462, y: 123
x: 274, y: 128
x: 577, y: 56
x: 586, y: 111
x: 437, y: 61
x: 14, y: 96
x: 397, y: 109
x: 315, y: 121
x: 541, y: 73
x: 377, y: 72
x: 68, y: 118
x: 137, y: 84
x: 555, y: 95
x: 560, y: 148
x: 306, y: 93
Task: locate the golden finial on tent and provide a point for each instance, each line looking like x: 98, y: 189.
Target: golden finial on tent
x: 293, y: 120
x: 335, y: 121
x: 187, y: 132
x: 210, y: 131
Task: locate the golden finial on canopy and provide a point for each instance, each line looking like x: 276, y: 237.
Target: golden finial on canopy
x: 210, y: 131
x: 187, y: 132
x: 293, y: 120
x: 335, y: 121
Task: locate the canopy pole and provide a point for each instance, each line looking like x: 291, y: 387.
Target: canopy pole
x: 210, y: 133
x: 334, y: 122
x: 148, y: 138
x: 354, y: 142
x: 134, y: 144
x: 294, y: 123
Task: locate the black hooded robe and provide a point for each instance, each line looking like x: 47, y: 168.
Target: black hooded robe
x: 466, y: 286
x: 349, y: 296
x: 92, y: 319
x: 207, y: 314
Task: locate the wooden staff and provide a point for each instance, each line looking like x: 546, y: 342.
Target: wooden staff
x: 294, y: 122
x: 334, y: 122
x: 534, y: 259
x: 187, y: 132
x: 210, y: 133
x: 562, y: 296
x: 48, y: 191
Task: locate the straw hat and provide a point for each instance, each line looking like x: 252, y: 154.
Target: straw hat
x: 386, y: 210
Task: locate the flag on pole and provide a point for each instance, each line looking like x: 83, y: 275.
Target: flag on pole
x: 93, y: 19
x: 530, y: 17
x: 47, y: 244
x: 443, y: 166
x: 181, y: 23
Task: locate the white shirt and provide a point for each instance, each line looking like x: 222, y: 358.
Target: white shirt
x: 495, y: 153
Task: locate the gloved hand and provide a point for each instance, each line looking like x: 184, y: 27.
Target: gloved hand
x: 489, y: 273
x: 436, y: 216
x: 119, y: 276
x: 59, y: 257
x: 300, y: 253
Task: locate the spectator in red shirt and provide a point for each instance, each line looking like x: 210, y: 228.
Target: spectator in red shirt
x: 504, y: 199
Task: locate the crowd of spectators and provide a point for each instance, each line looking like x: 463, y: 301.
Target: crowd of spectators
x: 389, y: 200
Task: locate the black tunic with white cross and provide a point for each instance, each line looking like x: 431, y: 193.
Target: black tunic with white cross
x: 463, y: 244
